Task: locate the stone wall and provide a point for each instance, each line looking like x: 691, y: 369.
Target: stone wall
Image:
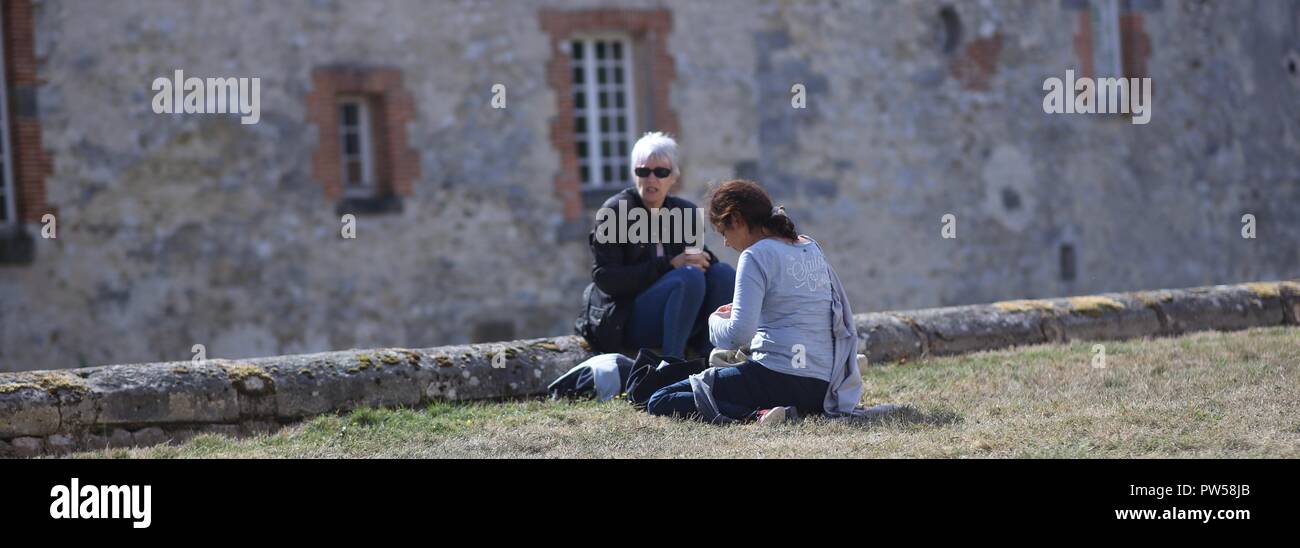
x: 177, y: 230
x: 143, y: 404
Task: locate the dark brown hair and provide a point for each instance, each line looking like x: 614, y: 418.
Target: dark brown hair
x: 741, y: 199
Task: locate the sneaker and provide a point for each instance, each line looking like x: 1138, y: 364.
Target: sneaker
x: 777, y: 415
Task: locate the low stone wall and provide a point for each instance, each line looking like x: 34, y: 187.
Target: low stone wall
x: 145, y: 404
x: 893, y: 336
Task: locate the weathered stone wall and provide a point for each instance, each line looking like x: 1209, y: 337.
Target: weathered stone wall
x: 142, y: 404
x: 184, y: 230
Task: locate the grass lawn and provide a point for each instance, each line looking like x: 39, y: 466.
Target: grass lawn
x: 1203, y: 395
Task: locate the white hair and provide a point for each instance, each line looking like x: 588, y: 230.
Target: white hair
x: 653, y: 144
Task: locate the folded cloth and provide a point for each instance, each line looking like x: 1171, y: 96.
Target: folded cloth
x: 727, y: 358
x: 603, y: 374
x: 605, y: 371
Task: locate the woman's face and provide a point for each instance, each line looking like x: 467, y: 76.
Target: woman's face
x: 738, y: 237
x: 652, y: 189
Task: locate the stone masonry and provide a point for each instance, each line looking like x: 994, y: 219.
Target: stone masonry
x: 177, y: 230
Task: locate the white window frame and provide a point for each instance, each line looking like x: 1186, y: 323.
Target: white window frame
x: 595, y: 161
x: 1108, y: 54
x: 7, y: 186
x: 1107, y: 46
x: 364, y: 136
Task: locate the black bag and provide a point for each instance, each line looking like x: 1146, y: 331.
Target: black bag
x: 600, y: 323
x: 648, y: 375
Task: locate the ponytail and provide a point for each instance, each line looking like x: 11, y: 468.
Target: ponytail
x: 741, y: 199
x: 780, y: 225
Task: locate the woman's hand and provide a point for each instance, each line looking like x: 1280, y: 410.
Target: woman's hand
x: 724, y: 310
x: 699, y: 260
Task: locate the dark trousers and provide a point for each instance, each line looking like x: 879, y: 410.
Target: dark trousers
x: 743, y: 390
x: 676, y: 308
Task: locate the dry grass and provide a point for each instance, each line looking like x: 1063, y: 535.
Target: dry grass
x: 1204, y: 395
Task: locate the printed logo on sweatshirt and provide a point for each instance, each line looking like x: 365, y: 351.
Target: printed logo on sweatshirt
x: 808, y: 270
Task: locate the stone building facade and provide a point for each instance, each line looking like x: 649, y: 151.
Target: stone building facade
x: 173, y: 230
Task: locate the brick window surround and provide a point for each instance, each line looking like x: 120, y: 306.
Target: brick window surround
x: 1135, y: 43
x: 654, y: 73
x: 31, y: 164
x: 978, y: 62
x: 397, y: 166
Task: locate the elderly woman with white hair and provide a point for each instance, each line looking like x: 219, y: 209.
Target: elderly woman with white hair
x: 653, y: 294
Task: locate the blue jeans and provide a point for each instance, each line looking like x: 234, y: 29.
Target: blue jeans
x: 741, y: 391
x: 677, y: 306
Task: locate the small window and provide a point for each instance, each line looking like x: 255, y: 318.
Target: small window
x: 8, y: 196
x: 1068, y: 266
x: 604, y: 116
x: 363, y: 159
x: 356, y: 150
x: 950, y: 29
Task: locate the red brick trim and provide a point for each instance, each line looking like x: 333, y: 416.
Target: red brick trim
x: 978, y: 62
x: 1135, y: 44
x: 397, y: 166
x: 31, y: 163
x: 1083, y: 45
x: 655, y: 72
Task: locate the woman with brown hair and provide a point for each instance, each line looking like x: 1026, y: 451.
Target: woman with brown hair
x: 788, y: 308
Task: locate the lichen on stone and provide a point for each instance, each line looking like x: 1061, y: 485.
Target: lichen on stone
x: 242, y: 371
x: 49, y: 382
x: 443, y: 361
x: 389, y: 357
x: 548, y: 345
x: 1094, y: 305
x: 1265, y: 290
x: 363, y: 360
x: 53, y: 382
x: 1024, y: 306
x: 9, y: 387
x: 1153, y: 298
x: 412, y: 356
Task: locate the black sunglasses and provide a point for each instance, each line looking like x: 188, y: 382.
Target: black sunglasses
x: 660, y: 172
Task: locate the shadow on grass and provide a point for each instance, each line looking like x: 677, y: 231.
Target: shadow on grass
x: 906, y: 415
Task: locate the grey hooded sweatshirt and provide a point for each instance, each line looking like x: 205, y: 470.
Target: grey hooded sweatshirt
x: 839, y: 367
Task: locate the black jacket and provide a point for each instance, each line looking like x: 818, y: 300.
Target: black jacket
x: 621, y: 271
